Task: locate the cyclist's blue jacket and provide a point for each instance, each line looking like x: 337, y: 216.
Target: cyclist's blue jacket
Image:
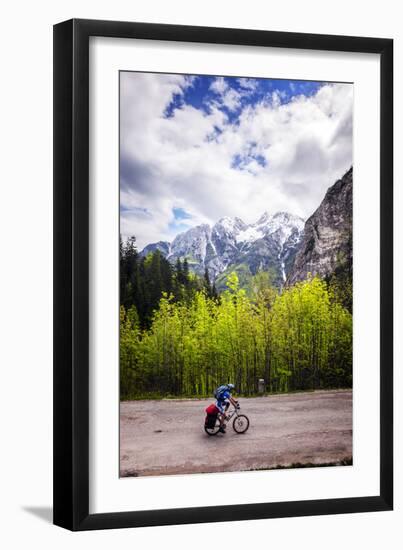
x: 221, y: 401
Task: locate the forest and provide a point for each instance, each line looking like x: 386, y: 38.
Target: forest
x: 179, y: 337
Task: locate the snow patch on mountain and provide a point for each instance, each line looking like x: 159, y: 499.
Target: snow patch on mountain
x: 249, y: 235
x: 282, y: 222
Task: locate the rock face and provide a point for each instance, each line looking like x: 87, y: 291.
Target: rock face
x: 162, y: 246
x: 327, y: 242
x: 269, y: 243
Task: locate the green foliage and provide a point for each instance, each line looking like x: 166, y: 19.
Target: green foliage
x: 299, y: 339
x: 143, y: 280
x: 243, y: 272
x: 129, y: 348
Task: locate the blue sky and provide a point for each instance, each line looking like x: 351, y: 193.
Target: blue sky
x: 197, y: 148
x: 200, y: 94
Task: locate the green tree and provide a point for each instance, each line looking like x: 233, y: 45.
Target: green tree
x: 298, y: 339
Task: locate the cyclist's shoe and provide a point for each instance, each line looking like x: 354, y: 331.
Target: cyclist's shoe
x: 222, y: 429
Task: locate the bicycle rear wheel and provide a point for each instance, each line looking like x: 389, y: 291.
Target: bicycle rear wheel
x: 215, y: 430
x: 240, y: 424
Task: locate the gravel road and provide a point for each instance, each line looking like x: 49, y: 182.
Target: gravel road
x: 167, y: 437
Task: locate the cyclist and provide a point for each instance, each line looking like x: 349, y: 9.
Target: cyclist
x: 224, y: 398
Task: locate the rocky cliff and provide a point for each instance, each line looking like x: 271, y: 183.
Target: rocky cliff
x: 327, y: 243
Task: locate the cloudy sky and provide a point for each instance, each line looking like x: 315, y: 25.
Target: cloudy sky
x: 196, y: 148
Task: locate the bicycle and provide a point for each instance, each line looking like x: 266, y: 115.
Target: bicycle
x: 240, y: 423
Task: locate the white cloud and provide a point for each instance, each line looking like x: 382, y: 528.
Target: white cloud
x: 219, y: 86
x: 227, y: 97
x: 248, y: 83
x: 187, y: 160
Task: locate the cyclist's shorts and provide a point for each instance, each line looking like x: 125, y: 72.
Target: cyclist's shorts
x: 221, y: 406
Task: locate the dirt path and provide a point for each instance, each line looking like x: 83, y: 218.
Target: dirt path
x: 167, y: 437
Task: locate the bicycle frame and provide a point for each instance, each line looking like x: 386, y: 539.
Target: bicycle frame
x: 231, y: 413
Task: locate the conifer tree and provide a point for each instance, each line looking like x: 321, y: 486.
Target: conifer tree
x: 185, y: 269
x: 207, y: 284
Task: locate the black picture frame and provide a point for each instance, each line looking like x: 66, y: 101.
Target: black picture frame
x: 71, y: 274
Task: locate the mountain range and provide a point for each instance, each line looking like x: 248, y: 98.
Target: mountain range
x: 231, y: 244
x: 279, y: 242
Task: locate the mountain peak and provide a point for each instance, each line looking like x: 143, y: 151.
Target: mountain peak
x: 230, y: 223
x: 264, y: 218
x: 282, y: 214
x: 226, y: 221
x: 287, y: 218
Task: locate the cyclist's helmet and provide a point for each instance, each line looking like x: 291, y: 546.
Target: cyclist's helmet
x: 230, y: 386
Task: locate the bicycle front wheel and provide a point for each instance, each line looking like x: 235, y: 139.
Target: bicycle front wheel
x: 240, y: 424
